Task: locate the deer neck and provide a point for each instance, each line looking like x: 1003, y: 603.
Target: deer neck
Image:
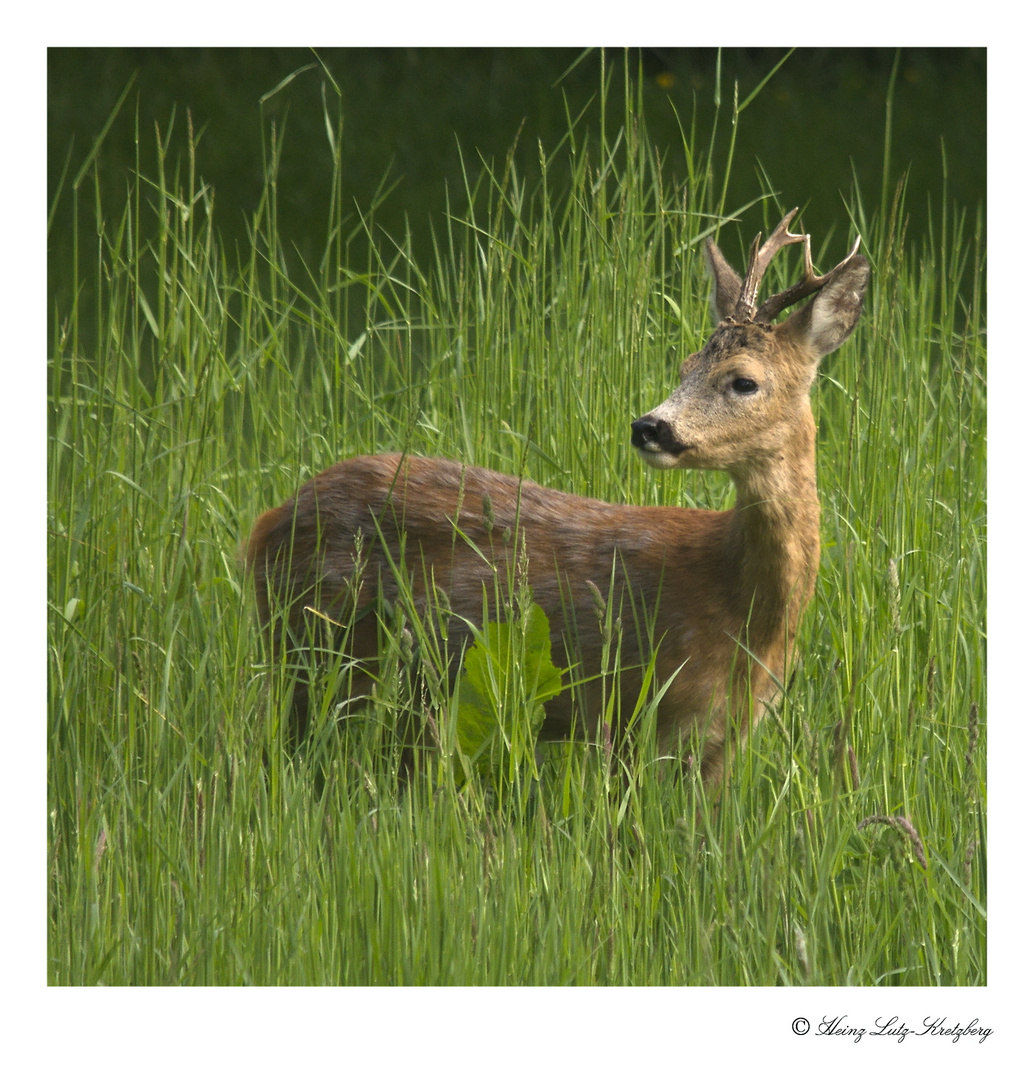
x: 774, y: 536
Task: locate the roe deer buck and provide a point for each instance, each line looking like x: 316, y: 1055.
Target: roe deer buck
x: 726, y: 589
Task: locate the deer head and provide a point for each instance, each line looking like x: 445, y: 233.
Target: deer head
x: 745, y: 396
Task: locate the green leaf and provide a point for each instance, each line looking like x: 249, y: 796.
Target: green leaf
x: 508, y: 675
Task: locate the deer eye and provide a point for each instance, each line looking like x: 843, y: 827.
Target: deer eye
x: 743, y: 385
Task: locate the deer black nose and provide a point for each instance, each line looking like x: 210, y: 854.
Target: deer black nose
x: 650, y: 433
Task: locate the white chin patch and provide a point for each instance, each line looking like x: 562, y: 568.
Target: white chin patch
x: 658, y: 459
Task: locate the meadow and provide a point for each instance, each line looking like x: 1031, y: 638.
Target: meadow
x: 194, y: 384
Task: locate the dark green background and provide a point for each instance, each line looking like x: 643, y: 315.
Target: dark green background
x: 819, y: 123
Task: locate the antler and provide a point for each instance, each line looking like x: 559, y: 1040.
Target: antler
x: 760, y: 257
x: 809, y: 283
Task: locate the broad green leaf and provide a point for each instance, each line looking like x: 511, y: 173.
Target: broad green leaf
x: 508, y: 675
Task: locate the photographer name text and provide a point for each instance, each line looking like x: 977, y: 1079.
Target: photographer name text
x: 934, y: 1027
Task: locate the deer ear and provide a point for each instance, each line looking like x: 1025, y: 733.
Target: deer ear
x: 826, y: 321
x: 725, y: 282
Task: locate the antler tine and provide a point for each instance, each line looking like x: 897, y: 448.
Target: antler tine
x: 809, y: 283
x: 760, y: 257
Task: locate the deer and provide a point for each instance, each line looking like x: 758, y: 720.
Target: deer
x: 723, y: 591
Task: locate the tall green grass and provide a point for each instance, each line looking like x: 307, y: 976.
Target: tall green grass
x: 187, y: 847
